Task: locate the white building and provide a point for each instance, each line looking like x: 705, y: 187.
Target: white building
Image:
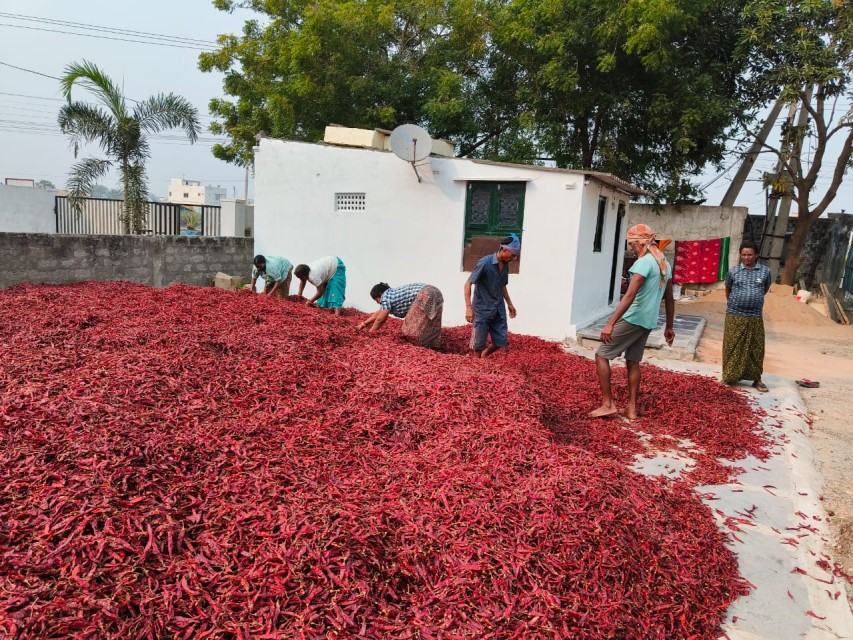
x: 368, y: 207
x: 20, y: 182
x: 194, y: 192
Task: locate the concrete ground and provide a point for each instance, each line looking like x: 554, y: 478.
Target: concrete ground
x: 688, y: 332
x: 779, y: 528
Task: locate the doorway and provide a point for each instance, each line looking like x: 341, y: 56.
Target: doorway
x: 617, y: 238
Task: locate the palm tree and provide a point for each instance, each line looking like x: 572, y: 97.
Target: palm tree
x: 121, y: 133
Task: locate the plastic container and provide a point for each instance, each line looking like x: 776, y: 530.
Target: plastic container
x: 804, y: 296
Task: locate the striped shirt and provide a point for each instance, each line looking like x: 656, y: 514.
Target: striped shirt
x: 399, y: 300
x: 747, y: 290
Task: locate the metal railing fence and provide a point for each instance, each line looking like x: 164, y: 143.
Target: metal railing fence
x: 102, y: 216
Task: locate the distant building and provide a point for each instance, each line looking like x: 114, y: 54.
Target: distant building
x: 20, y: 182
x: 194, y: 192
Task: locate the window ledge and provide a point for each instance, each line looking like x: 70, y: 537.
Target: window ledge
x: 494, y: 179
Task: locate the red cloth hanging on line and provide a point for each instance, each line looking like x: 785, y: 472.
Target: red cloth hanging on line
x: 698, y: 261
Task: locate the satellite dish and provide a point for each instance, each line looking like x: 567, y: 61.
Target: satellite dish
x: 411, y: 143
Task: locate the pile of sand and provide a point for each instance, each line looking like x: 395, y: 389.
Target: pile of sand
x: 781, y: 308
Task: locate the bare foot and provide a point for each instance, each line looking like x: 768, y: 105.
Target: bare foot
x: 603, y: 411
x: 488, y: 350
x: 628, y: 414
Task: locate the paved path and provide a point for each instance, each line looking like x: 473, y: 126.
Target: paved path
x: 779, y: 529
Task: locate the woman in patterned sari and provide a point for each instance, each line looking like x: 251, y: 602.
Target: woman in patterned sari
x: 743, y: 336
x: 420, y: 305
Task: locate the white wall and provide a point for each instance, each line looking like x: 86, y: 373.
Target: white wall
x: 414, y: 232
x: 233, y: 219
x: 593, y: 269
x: 27, y: 210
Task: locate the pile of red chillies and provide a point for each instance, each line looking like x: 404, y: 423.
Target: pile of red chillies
x: 196, y: 463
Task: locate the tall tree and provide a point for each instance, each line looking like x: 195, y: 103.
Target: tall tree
x: 121, y: 133
x: 371, y: 63
x: 101, y: 191
x: 802, y: 51
x: 45, y: 184
x: 645, y: 90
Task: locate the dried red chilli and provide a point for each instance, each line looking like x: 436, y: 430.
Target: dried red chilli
x: 197, y: 463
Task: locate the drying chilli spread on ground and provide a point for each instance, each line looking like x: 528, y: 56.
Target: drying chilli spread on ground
x: 196, y: 463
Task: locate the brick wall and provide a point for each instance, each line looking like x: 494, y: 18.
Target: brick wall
x: 153, y: 260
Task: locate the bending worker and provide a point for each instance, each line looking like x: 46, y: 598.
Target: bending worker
x: 487, y: 312
x: 420, y: 305
x: 329, y: 276
x: 276, y: 272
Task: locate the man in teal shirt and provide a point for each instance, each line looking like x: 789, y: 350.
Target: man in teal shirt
x: 635, y: 317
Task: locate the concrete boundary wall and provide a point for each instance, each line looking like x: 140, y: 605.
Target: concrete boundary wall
x: 693, y: 222
x: 153, y: 260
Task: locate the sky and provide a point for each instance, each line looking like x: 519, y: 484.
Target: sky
x: 32, y: 147
x: 30, y: 143
x: 752, y: 194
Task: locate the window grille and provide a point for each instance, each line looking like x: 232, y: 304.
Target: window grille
x: 350, y: 202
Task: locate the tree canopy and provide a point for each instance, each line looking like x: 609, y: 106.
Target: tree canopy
x: 645, y: 90
x: 802, y: 51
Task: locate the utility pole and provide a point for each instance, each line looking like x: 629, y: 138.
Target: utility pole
x: 773, y: 243
x: 246, y: 185
x: 751, y: 156
x: 771, y: 219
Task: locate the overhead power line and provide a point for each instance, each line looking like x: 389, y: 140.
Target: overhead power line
x: 45, y: 126
x: 114, y: 30
x: 44, y: 75
x: 23, y: 95
x: 92, y: 35
x: 38, y: 73
x: 37, y: 111
x: 154, y: 140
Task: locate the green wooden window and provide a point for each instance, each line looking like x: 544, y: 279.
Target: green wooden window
x: 494, y: 209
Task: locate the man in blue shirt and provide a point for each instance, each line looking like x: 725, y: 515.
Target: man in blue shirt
x: 635, y: 317
x: 487, y: 312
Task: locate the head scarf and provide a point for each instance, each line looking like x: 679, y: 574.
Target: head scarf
x: 513, y: 247
x: 645, y: 237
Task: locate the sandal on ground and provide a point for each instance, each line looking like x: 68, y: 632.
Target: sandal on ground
x: 760, y: 386
x: 808, y: 384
